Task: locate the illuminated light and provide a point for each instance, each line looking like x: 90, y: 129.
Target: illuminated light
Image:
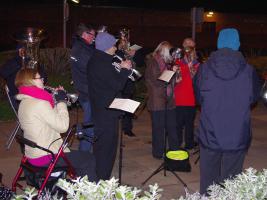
x: 75, y: 1
x: 210, y: 14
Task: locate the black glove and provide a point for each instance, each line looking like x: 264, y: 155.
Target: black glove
x: 61, y: 96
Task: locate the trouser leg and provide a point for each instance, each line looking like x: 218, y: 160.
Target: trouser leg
x: 171, y: 130
x: 190, y: 112
x: 157, y: 133
x: 105, y: 148
x: 210, y: 168
x: 127, y: 122
x: 179, y: 124
x: 232, y: 164
x: 86, y: 144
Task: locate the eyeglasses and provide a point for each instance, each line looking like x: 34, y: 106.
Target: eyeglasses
x: 90, y: 33
x: 42, y: 79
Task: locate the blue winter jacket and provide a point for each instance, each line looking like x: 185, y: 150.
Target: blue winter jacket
x: 80, y: 55
x: 225, y: 87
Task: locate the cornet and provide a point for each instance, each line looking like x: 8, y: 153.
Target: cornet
x: 134, y: 76
x: 72, y: 97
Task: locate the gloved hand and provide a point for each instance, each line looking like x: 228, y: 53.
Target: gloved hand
x: 61, y: 96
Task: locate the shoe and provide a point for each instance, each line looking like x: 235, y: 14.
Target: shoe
x: 158, y: 157
x: 191, y: 146
x: 129, y: 133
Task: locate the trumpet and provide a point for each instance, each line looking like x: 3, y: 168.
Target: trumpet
x: 71, y: 97
x: 135, y: 74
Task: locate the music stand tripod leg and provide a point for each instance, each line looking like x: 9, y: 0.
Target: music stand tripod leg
x: 120, y: 150
x: 184, y: 184
x: 161, y: 167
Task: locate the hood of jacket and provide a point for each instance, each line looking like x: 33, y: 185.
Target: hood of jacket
x: 227, y: 63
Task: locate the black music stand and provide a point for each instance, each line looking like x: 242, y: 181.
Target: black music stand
x: 164, y: 165
x: 126, y: 105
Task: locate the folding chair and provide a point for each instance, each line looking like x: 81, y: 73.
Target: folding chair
x: 40, y: 177
x: 17, y: 128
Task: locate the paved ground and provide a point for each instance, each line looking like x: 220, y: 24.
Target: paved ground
x: 138, y: 163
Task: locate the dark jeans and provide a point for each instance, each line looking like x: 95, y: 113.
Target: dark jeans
x: 158, y: 126
x: 215, y: 166
x: 185, y: 116
x: 86, y: 145
x: 83, y: 164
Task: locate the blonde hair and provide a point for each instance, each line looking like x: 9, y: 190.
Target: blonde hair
x: 163, y: 50
x: 25, y: 77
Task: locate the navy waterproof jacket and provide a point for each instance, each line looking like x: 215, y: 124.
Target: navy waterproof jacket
x: 225, y: 87
x: 80, y: 55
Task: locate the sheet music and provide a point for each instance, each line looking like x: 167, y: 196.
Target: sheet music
x: 127, y: 105
x: 166, y: 75
x: 135, y: 47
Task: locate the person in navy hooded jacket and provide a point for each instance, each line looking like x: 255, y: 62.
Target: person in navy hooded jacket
x: 226, y: 86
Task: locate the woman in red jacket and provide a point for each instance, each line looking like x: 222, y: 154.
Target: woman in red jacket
x: 184, y: 94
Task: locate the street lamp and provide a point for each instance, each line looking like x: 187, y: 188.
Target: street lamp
x: 210, y: 14
x: 65, y: 19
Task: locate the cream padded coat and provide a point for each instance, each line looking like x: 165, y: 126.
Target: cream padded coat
x: 42, y: 124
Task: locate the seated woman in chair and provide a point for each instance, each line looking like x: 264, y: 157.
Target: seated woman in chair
x: 42, y: 122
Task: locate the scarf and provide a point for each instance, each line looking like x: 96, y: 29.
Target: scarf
x: 37, y: 93
x: 163, y: 66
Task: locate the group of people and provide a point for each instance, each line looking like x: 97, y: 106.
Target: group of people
x: 96, y: 78
x: 225, y: 87
x: 172, y: 106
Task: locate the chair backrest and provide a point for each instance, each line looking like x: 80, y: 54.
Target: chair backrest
x: 10, y: 101
x: 17, y: 128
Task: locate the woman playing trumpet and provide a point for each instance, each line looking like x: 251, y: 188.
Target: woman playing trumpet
x: 160, y: 97
x: 42, y: 120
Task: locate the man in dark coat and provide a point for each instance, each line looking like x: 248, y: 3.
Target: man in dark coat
x: 9, y: 71
x: 226, y: 86
x: 105, y: 83
x: 81, y: 52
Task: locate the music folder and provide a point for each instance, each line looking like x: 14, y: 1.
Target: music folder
x: 166, y: 75
x: 127, y: 105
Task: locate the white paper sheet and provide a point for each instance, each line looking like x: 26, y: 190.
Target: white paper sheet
x: 166, y: 75
x: 127, y: 105
x: 135, y: 47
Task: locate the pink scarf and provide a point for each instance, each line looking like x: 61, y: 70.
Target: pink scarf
x: 37, y: 93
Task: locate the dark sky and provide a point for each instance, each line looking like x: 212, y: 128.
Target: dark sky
x: 234, y: 6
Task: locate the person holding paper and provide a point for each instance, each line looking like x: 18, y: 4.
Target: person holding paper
x: 184, y: 94
x: 105, y: 84
x: 160, y: 97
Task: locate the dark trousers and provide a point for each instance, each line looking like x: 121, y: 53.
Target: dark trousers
x: 185, y: 116
x: 127, y: 122
x: 127, y: 93
x: 105, y: 148
x: 83, y: 164
x: 218, y: 166
x: 158, y: 126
